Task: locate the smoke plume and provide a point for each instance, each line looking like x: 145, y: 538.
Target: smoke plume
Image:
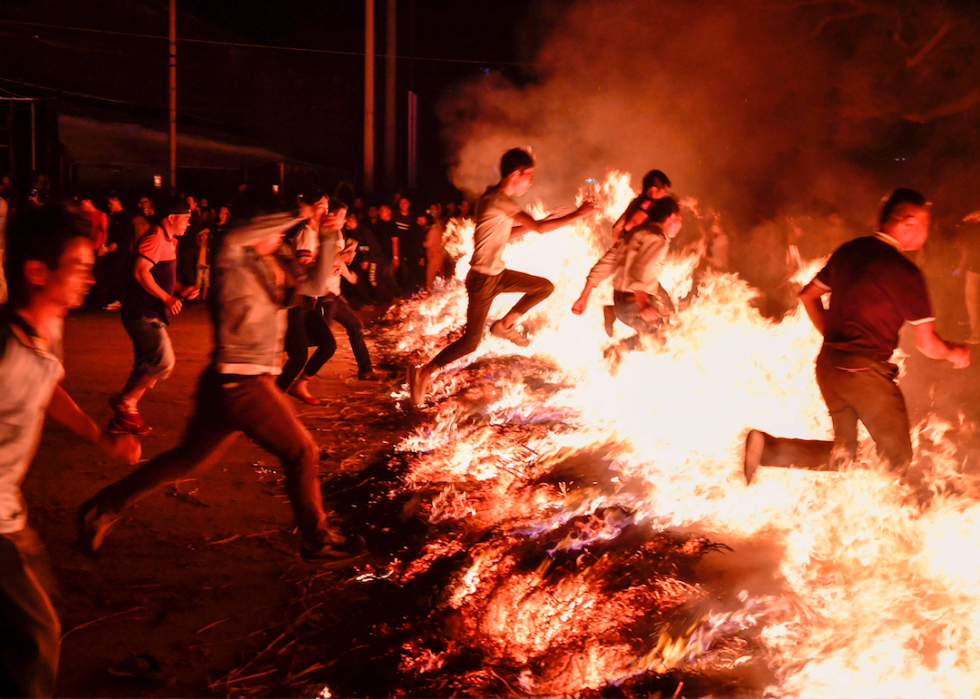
x: 756, y: 109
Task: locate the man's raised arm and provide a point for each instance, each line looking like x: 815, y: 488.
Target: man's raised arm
x: 524, y: 222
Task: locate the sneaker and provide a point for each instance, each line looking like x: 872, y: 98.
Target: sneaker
x: 370, y: 375
x: 93, y: 525
x: 754, y: 443
x: 511, y: 333
x: 114, y: 306
x: 300, y: 391
x: 609, y: 319
x: 119, y: 405
x: 128, y: 423
x: 416, y: 385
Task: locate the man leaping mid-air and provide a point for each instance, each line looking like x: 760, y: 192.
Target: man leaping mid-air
x: 635, y: 262
x: 499, y: 219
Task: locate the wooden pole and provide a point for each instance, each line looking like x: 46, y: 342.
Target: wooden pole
x: 173, y: 96
x: 369, y: 96
x: 391, y: 41
x: 33, y: 142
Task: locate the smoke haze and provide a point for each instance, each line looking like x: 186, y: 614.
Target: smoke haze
x: 755, y: 109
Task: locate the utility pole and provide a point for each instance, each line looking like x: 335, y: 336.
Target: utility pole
x: 173, y: 96
x: 369, y: 95
x: 391, y: 40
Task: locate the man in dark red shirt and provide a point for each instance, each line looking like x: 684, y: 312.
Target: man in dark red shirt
x: 874, y: 290
x: 153, y: 296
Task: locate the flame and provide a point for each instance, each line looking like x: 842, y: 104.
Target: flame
x: 872, y: 596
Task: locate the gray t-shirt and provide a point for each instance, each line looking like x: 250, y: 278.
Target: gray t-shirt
x: 495, y: 213
x: 29, y: 374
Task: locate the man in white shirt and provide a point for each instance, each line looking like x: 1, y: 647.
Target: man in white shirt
x: 499, y: 219
x: 635, y: 261
x: 50, y: 270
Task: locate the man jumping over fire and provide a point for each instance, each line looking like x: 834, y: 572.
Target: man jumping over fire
x: 635, y: 262
x: 874, y: 289
x: 499, y: 219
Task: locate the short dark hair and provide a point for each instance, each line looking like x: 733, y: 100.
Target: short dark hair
x: 655, y: 178
x: 663, y: 209
x: 38, y: 234
x: 900, y: 196
x: 313, y: 196
x: 515, y: 159
x: 173, y: 206
x: 337, y: 204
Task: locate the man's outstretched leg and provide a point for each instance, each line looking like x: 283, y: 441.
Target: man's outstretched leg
x: 536, y: 290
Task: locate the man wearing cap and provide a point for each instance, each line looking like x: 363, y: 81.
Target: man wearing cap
x: 874, y: 290
x: 152, y: 297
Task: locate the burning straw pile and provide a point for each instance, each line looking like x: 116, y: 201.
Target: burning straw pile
x: 553, y: 525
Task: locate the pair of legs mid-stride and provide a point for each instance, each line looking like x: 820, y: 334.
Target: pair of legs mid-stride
x: 481, y: 290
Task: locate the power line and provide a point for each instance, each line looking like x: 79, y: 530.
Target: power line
x: 271, y: 47
x: 79, y: 94
x: 187, y: 110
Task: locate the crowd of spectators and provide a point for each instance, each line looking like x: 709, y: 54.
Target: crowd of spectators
x: 401, y: 247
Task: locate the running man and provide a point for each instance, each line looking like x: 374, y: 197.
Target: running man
x: 875, y: 289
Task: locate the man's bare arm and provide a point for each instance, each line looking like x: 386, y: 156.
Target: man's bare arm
x: 62, y: 409
x: 812, y: 298
x: 930, y: 344
x: 523, y: 222
x: 143, y: 275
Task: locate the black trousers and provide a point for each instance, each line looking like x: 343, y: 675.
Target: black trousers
x: 309, y: 326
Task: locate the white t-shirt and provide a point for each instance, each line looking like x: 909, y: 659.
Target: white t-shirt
x: 324, y: 246
x: 29, y: 373
x: 495, y: 213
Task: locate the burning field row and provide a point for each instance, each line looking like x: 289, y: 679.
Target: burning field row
x: 583, y: 527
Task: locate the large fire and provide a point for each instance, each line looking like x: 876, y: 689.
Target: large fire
x: 612, y: 538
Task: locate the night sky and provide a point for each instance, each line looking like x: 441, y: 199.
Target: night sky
x: 306, y: 105
x: 757, y: 108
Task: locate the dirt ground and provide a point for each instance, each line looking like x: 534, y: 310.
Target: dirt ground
x: 202, y: 576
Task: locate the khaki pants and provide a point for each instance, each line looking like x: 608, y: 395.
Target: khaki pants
x: 854, y: 388
x: 226, y: 407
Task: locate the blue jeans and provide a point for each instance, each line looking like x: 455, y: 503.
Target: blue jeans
x: 628, y: 312
x: 152, y: 351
